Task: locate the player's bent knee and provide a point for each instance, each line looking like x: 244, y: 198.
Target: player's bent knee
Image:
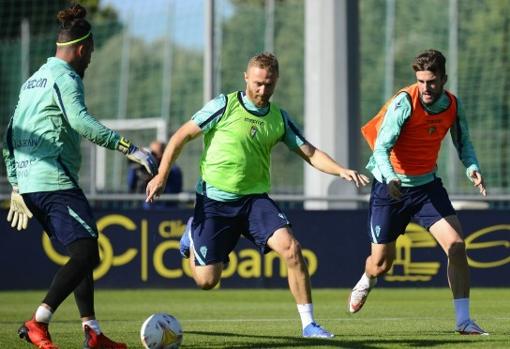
x: 457, y: 250
x: 381, y: 267
x: 292, y: 254
x: 84, y: 253
x: 206, y: 284
x: 86, y: 263
x: 386, y: 266
x: 207, y: 277
x: 293, y: 248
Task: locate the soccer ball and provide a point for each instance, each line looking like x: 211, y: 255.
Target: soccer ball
x: 161, y: 331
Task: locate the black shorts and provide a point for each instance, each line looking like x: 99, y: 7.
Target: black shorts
x: 388, y: 218
x: 64, y: 214
x: 217, y: 226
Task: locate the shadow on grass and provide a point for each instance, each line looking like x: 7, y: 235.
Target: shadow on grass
x: 336, y: 342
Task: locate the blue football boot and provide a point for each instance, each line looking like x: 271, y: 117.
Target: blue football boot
x: 185, y: 243
x: 313, y: 330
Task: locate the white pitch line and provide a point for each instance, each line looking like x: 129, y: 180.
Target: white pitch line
x: 331, y: 319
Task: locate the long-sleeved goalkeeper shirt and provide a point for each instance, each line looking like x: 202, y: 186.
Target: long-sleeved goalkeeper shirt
x: 42, y: 140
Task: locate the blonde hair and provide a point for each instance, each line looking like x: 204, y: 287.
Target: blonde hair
x: 265, y: 60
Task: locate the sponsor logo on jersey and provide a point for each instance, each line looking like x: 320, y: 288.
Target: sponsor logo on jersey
x: 253, y: 121
x: 33, y: 83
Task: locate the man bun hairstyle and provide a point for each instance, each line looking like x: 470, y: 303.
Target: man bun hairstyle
x: 73, y: 25
x: 431, y: 60
x: 265, y: 60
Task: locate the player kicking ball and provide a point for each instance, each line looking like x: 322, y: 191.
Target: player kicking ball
x: 240, y: 129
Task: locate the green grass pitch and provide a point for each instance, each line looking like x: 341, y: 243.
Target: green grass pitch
x: 392, y: 318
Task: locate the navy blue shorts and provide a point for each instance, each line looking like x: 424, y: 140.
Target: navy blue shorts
x: 64, y: 214
x: 217, y: 226
x: 388, y: 218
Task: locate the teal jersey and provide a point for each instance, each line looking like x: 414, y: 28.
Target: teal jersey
x: 209, y: 117
x: 42, y: 140
x: 393, y: 123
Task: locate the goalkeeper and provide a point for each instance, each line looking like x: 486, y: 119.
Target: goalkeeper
x: 42, y: 155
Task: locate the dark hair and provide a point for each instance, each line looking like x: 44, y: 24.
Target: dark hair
x: 431, y: 60
x: 265, y: 60
x: 73, y: 24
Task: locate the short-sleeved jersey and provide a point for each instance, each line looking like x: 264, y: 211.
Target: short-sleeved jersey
x: 234, y: 120
x: 42, y: 140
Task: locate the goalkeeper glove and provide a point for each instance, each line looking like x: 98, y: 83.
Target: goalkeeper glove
x: 139, y: 156
x: 18, y: 212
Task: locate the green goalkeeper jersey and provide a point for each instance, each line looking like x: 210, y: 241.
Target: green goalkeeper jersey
x: 42, y: 140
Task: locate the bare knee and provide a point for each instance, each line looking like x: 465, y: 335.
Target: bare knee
x: 207, y: 277
x: 384, y: 266
x: 288, y: 248
x: 291, y: 252
x: 206, y: 283
x: 380, y: 266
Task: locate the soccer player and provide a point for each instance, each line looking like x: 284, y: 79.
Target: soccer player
x: 406, y: 137
x: 240, y: 129
x: 42, y: 156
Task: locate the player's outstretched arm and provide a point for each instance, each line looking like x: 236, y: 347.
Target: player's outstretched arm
x: 324, y: 163
x: 183, y: 135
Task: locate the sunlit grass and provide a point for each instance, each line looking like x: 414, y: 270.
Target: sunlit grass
x: 392, y: 318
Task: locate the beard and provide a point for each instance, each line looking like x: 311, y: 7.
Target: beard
x: 258, y: 100
x: 81, y: 70
x: 261, y: 101
x: 430, y: 98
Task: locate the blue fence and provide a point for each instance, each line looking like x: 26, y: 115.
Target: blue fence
x: 140, y: 249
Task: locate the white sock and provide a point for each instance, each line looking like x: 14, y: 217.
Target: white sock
x: 93, y: 324
x: 366, y: 282
x: 461, y: 310
x: 306, y: 314
x: 43, y: 314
